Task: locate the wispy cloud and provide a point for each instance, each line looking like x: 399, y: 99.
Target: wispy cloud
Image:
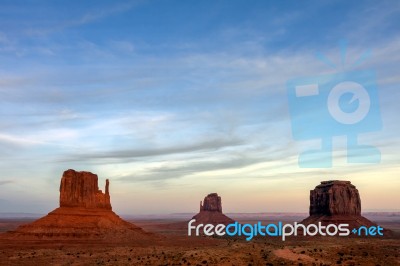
x: 17, y: 140
x: 103, y: 13
x: 360, y: 29
x: 4, y: 40
x: 165, y: 173
x: 211, y: 144
x: 91, y: 16
x: 5, y: 182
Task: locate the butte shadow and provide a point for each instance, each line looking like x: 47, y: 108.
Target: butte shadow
x: 85, y: 213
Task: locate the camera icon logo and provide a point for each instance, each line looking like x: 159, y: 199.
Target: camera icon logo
x: 322, y: 107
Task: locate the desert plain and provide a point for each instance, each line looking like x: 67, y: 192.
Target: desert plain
x: 172, y: 246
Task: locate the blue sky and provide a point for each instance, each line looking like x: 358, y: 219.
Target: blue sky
x: 172, y: 100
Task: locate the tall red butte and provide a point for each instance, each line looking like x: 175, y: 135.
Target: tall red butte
x: 85, y: 212
x: 335, y: 202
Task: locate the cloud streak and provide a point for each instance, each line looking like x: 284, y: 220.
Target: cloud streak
x: 5, y: 182
x: 207, y: 145
x: 91, y: 16
x: 165, y: 173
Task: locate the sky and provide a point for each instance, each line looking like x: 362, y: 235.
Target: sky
x: 172, y: 100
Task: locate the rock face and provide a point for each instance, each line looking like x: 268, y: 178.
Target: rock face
x: 80, y: 189
x: 335, y: 198
x: 212, y: 202
x: 336, y: 202
x: 84, y: 213
x: 211, y: 211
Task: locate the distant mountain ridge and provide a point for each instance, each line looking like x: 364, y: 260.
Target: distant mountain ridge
x: 189, y: 214
x: 20, y: 215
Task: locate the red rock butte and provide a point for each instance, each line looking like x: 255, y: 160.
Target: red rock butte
x: 334, y: 202
x: 80, y: 189
x: 211, y: 211
x: 85, y: 213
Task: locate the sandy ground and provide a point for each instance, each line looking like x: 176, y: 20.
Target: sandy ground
x: 175, y: 248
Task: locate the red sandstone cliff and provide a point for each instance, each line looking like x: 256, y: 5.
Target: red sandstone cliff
x: 84, y: 213
x: 336, y: 202
x: 80, y: 189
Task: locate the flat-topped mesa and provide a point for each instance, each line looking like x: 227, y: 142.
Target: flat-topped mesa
x: 80, y: 189
x: 212, y: 202
x: 336, y: 202
x: 335, y: 197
